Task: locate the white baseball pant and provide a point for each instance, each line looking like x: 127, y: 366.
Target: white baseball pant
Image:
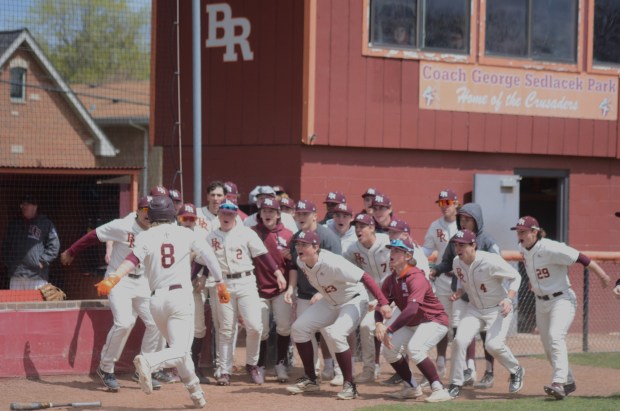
x: 417, y: 341
x: 282, y: 312
x: 302, y: 306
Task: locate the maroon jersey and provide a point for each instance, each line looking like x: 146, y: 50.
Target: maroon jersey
x: 410, y: 288
x: 275, y: 240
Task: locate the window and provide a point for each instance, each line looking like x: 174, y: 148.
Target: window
x: 18, y: 83
x: 607, y: 31
x: 433, y: 25
x: 543, y: 30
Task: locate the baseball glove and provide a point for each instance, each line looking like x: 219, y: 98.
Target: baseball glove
x: 52, y: 293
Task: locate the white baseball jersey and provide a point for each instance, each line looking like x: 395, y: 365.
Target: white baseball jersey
x: 347, y: 239
x: 421, y: 260
x: 547, y: 266
x: 337, y: 279
x: 374, y: 260
x: 206, y: 220
x: 287, y: 221
x: 122, y: 232
x: 235, y: 249
x: 482, y: 279
x: 437, y: 239
x: 166, y: 250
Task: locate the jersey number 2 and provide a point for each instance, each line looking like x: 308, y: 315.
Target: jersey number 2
x: 167, y: 255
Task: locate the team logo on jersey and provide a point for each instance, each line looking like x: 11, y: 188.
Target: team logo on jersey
x: 359, y: 259
x: 216, y: 244
x: 330, y: 289
x: 34, y: 232
x: 404, y: 289
x: 441, y: 236
x: 459, y: 274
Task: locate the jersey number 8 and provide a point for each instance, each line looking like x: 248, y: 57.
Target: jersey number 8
x: 167, y: 255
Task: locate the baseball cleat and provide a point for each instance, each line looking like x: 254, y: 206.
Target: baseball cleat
x: 164, y: 377
x: 439, y: 395
x: 303, y: 384
x: 255, y: 374
x: 424, y: 383
x: 486, y: 382
x: 144, y: 374
x: 201, y: 377
x: 516, y: 380
x: 198, y: 398
x: 469, y: 377
x: 570, y: 387
x: 337, y: 381
x: 281, y: 373
x: 393, y: 380
x: 454, y: 390
x: 223, y: 380
x: 109, y: 380
x: 407, y: 393
x: 349, y: 391
x: 364, y: 377
x: 156, y: 384
x: 555, y: 390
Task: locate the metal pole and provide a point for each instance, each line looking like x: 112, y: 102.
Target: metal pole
x: 586, y: 307
x: 197, y: 101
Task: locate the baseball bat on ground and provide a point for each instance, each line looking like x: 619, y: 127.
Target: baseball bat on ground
x: 43, y: 405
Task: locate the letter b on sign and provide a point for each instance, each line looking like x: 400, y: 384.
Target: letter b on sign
x: 220, y: 17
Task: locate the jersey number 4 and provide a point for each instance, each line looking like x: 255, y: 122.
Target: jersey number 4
x: 167, y: 255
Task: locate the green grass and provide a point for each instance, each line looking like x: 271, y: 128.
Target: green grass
x: 603, y: 360
x: 538, y: 403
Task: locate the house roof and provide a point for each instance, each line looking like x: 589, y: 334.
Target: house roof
x: 9, y: 43
x: 116, y: 103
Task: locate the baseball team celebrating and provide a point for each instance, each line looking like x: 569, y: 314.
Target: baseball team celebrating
x: 321, y: 281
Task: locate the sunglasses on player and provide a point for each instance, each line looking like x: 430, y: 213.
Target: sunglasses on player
x: 445, y: 203
x: 185, y: 219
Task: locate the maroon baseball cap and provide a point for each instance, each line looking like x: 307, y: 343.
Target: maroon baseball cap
x: 447, y: 194
x: 305, y: 206
x: 271, y: 203
x: 381, y: 200
x: 231, y: 188
x: 287, y: 202
x: 335, y: 197
x: 187, y: 210
x: 400, y: 226
x: 175, y: 195
x: 464, y: 237
x: 308, y: 237
x: 526, y: 223
x: 403, y: 244
x: 159, y: 191
x: 364, y: 219
x: 144, y: 201
x: 343, y: 208
x: 371, y: 192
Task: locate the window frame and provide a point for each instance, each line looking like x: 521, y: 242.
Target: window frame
x: 529, y: 63
x: 21, y: 99
x: 591, y: 66
x: 409, y: 54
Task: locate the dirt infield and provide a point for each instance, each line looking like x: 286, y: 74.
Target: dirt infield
x: 242, y: 395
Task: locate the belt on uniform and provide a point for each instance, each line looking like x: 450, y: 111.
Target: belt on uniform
x: 170, y: 288
x: 548, y: 297
x: 133, y: 275
x: 238, y: 275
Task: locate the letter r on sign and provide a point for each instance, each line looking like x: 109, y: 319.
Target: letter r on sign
x: 228, y: 24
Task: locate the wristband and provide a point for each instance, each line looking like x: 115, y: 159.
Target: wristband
x: 618, y: 282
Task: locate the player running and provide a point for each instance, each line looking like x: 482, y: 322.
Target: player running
x: 547, y: 262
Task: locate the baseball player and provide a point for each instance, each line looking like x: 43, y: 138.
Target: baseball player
x: 332, y: 199
x: 400, y: 230
x: 132, y: 296
x: 235, y: 246
x: 166, y: 253
x: 469, y: 217
x: 481, y: 275
x: 341, y: 226
x: 177, y: 199
x: 344, y: 302
x: 382, y: 212
x: 368, y: 196
x: 370, y: 254
x: 277, y: 241
x: 263, y: 192
x: 546, y: 263
x: 287, y: 205
x: 436, y: 240
x: 422, y: 322
x: 307, y: 295
x: 232, y: 195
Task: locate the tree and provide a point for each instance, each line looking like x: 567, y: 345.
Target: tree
x: 93, y: 41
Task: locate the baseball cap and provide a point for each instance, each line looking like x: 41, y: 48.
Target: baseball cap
x: 381, y: 200
x: 335, y: 197
x: 279, y: 189
x: 308, y: 237
x: 287, y: 202
x: 403, y: 244
x: 526, y: 223
x: 447, y: 194
x: 271, y: 203
x: 265, y: 190
x: 343, y: 208
x: 364, y: 219
x: 29, y: 199
x: 305, y: 206
x: 187, y: 210
x: 159, y: 191
x: 175, y: 195
x: 464, y: 237
x: 144, y: 201
x: 228, y: 207
x: 231, y: 188
x: 400, y: 226
x: 371, y: 192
